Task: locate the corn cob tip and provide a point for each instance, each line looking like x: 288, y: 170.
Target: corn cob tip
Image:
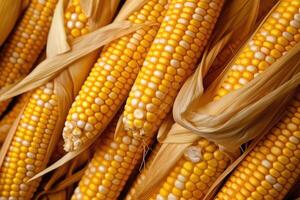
x: 71, y: 136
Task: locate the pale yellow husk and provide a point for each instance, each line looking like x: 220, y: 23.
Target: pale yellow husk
x: 231, y: 121
x: 254, y: 20
x: 62, y: 195
x: 10, y: 11
x: 62, y: 179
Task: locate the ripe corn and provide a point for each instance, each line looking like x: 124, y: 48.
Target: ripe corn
x: 278, y: 34
x: 114, y: 160
x: 111, y: 78
x: 26, y: 154
x: 7, y: 121
x: 171, y: 59
x: 194, y: 173
x: 273, y: 166
x: 25, y: 43
x: 142, y: 175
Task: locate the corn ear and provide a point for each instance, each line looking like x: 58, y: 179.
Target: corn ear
x: 171, y: 59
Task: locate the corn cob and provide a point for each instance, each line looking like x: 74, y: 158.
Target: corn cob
x: 270, y: 42
x: 26, y: 154
x: 270, y: 170
x: 111, y: 78
x: 7, y: 121
x: 171, y: 59
x: 27, y: 41
x: 142, y: 175
x: 108, y: 171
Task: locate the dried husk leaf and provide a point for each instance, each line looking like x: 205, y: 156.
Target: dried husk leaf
x: 57, y: 34
x: 239, y: 37
x: 65, y: 176
x: 73, y: 176
x: 56, y: 176
x: 294, y: 193
x: 178, y: 138
x: 92, y: 10
x: 61, y: 195
x: 10, y: 11
x: 25, y: 3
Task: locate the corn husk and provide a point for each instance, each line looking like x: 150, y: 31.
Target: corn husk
x: 236, y: 40
x: 55, y: 196
x: 63, y: 179
x: 68, y: 63
x: 294, y: 193
x: 229, y: 122
x: 69, y: 81
x: 10, y: 11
